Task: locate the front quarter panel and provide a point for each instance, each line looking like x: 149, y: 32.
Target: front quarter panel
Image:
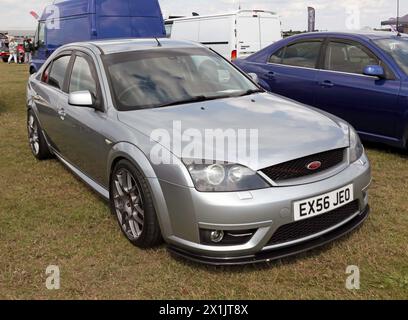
x: 132, y: 153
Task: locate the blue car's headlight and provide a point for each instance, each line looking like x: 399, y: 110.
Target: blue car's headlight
x: 221, y: 177
x: 356, y: 147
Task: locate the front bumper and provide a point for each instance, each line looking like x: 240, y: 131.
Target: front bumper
x: 264, y: 211
x: 271, y: 255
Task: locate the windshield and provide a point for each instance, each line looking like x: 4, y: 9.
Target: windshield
x: 157, y: 78
x: 397, y: 49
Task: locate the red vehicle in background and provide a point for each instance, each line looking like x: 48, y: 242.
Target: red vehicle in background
x: 5, y: 54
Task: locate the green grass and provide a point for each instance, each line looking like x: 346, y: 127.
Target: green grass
x: 47, y: 216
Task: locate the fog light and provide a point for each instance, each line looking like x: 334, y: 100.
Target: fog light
x: 217, y: 236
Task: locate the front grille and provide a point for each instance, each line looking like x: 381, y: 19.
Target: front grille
x: 304, y: 228
x: 298, y: 168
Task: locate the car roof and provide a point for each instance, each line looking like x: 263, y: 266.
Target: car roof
x: 127, y: 45
x: 218, y: 15
x: 365, y: 35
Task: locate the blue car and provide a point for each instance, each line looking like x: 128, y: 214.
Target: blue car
x: 362, y: 78
x: 84, y: 20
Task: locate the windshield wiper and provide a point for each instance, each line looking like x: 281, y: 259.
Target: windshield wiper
x: 191, y: 100
x: 202, y: 98
x: 249, y: 92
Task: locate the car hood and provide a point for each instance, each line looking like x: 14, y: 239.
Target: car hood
x: 286, y: 129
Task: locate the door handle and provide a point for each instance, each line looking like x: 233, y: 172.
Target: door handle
x: 61, y: 113
x: 270, y: 75
x: 37, y: 97
x: 326, y: 84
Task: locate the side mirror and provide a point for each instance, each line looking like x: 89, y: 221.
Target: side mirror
x: 81, y: 99
x: 374, y: 71
x: 254, y: 77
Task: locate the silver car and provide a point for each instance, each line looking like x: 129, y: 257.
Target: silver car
x: 149, y: 124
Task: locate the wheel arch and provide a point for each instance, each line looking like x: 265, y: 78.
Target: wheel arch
x: 131, y: 153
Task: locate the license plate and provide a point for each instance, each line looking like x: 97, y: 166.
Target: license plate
x: 309, y: 208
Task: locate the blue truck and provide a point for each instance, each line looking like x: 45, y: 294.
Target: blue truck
x: 82, y: 20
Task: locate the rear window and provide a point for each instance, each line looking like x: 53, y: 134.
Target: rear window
x: 277, y: 56
x: 303, y: 54
x: 58, y: 71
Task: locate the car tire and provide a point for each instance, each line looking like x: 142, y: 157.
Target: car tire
x: 131, y: 202
x: 36, y: 139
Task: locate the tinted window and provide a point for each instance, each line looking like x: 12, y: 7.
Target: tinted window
x: 277, y: 56
x: 58, y: 70
x: 350, y: 58
x: 302, y: 54
x: 153, y: 78
x: 81, y: 77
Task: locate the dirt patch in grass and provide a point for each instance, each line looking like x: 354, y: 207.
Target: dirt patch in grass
x: 48, y: 217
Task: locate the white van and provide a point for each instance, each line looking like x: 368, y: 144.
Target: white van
x: 233, y: 35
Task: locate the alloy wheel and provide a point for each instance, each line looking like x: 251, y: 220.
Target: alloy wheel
x: 128, y: 204
x: 33, y: 135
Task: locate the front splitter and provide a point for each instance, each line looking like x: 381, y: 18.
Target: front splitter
x: 276, y: 254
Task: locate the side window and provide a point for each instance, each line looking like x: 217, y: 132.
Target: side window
x: 350, y: 58
x: 40, y: 35
x: 302, y: 54
x: 58, y: 71
x: 81, y: 77
x: 277, y: 56
x: 169, y: 27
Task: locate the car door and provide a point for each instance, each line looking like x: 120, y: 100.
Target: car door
x: 291, y: 71
x: 49, y: 90
x: 85, y: 143
x: 370, y: 104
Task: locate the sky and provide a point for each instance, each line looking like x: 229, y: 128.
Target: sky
x: 330, y: 15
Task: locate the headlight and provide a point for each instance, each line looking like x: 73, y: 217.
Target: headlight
x: 221, y: 177
x: 356, y: 147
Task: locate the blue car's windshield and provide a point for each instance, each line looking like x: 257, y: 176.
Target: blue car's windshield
x: 163, y: 77
x: 397, y: 49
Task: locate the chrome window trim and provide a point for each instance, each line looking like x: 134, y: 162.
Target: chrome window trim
x: 349, y: 73
x: 287, y: 65
x: 317, y: 69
